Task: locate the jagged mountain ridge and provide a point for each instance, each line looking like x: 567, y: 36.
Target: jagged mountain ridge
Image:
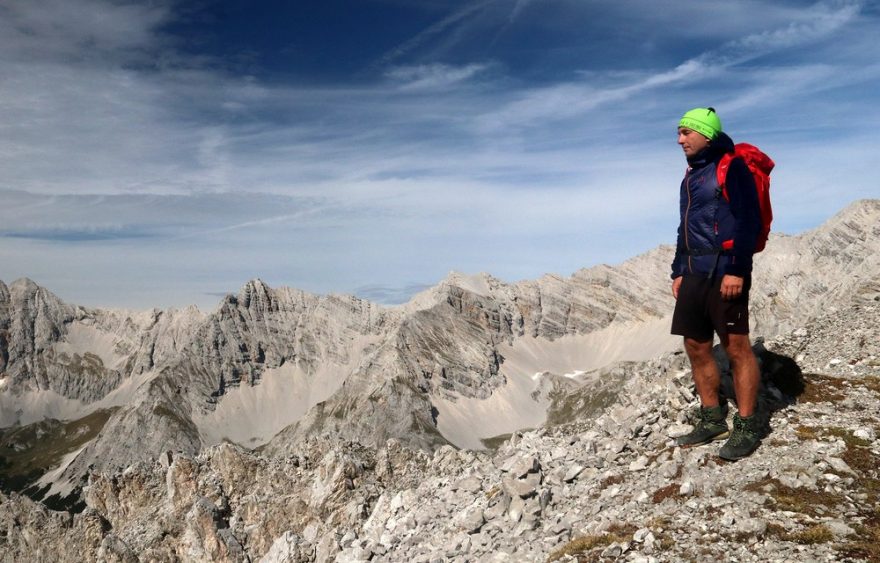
x: 183, y: 378
x: 800, y: 276
x: 264, y: 329
x: 605, y: 484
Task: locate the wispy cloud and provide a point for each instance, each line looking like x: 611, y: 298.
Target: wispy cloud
x: 126, y: 161
x: 85, y: 32
x: 817, y: 22
x: 569, y: 100
x: 432, y: 32
x: 433, y: 76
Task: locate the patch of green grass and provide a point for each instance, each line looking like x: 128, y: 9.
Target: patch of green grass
x: 865, y: 544
x: 26, y: 452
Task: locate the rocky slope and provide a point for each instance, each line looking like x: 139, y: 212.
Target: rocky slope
x: 465, y: 361
x: 605, y: 485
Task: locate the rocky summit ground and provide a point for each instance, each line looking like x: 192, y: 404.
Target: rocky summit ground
x: 607, y: 486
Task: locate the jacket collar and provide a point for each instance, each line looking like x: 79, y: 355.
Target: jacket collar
x: 713, y: 153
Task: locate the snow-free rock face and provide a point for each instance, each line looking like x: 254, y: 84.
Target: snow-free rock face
x: 798, y: 277
x: 467, y: 360
x: 604, y: 483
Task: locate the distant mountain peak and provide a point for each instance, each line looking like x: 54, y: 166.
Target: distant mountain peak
x: 459, y: 361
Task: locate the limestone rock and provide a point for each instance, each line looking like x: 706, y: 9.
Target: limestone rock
x: 364, y: 472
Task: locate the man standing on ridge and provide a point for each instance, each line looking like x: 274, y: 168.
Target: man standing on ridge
x: 711, y: 277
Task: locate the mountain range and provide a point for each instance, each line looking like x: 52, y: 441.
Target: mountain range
x: 464, y: 364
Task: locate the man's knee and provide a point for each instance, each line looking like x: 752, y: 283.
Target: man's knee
x: 698, y: 349
x: 738, y: 347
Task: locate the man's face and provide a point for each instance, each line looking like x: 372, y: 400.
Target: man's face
x: 691, y: 141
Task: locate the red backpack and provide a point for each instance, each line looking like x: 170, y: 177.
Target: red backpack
x: 760, y: 165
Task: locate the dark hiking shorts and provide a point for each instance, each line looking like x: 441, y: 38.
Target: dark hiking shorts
x: 700, y: 310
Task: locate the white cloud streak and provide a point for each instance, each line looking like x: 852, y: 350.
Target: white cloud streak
x: 433, y: 77
x: 433, y: 31
x: 571, y: 100
x: 171, y: 182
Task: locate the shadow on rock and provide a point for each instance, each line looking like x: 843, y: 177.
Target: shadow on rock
x: 782, y: 381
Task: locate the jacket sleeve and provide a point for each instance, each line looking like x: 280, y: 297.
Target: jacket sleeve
x: 677, y: 267
x: 676, y: 261
x: 746, y: 212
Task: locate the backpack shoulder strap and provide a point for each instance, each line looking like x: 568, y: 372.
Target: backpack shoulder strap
x: 721, y: 172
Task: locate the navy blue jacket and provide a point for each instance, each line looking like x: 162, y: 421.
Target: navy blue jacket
x: 716, y: 237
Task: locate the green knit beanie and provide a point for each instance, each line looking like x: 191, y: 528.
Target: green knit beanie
x: 702, y: 120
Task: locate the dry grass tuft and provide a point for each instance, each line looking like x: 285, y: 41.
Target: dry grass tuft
x: 817, y: 533
x: 803, y: 500
x: 621, y: 530
x: 866, y: 544
x: 848, y: 437
x: 807, y: 432
x: 666, y: 492
x: 612, y: 480
x: 493, y: 492
x: 823, y: 388
x: 816, y: 433
x: 582, y: 545
x: 870, y: 382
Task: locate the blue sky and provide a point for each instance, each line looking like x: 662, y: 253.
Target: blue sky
x: 163, y: 153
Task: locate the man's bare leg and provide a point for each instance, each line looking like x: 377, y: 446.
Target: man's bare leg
x: 710, y: 423
x: 747, y: 426
x: 746, y: 374
x: 704, y: 369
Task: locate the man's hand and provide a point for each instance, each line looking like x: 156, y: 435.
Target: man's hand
x: 676, y: 283
x: 731, y: 286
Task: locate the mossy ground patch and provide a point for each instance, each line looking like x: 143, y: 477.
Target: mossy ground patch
x: 26, y: 452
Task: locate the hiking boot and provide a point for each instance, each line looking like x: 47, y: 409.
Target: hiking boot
x: 711, y: 424
x: 744, y: 439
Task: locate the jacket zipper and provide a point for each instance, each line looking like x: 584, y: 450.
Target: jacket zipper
x: 687, y: 188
